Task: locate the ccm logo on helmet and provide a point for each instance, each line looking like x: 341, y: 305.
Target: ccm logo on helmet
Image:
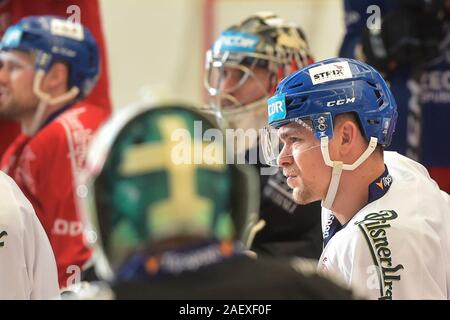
x: 340, y: 102
x: 275, y: 107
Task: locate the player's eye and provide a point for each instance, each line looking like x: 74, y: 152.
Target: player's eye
x: 10, y: 65
x: 15, y: 66
x: 295, y: 139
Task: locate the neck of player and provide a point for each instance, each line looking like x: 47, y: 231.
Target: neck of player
x: 27, y: 120
x: 353, y: 192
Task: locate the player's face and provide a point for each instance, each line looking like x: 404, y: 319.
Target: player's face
x: 302, y: 163
x: 255, y: 86
x: 16, y: 85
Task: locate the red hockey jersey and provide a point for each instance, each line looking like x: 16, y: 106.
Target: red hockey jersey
x: 45, y: 167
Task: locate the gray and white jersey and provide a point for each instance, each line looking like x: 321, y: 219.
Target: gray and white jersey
x: 27, y: 263
x: 398, y: 246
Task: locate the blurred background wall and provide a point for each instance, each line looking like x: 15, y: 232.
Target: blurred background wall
x: 159, y: 46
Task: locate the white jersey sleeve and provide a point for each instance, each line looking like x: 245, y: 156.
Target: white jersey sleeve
x: 27, y: 263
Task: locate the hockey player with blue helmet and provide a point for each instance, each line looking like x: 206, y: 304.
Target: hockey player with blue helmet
x: 384, y: 219
x: 52, y: 40
x: 47, y: 66
x: 303, y: 99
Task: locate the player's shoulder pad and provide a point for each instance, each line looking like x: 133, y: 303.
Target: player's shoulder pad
x: 395, y: 160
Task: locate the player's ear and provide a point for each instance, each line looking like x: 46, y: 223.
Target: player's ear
x: 56, y: 77
x: 348, y: 137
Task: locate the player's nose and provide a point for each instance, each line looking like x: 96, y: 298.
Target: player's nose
x: 285, y: 158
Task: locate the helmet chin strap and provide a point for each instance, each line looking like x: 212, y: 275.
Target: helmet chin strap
x: 46, y: 100
x: 338, y: 166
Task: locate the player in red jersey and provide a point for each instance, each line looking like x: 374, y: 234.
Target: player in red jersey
x: 48, y: 65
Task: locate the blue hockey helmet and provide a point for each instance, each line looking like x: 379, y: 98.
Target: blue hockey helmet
x: 316, y: 94
x: 54, y: 39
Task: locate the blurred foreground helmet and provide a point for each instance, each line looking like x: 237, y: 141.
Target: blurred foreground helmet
x: 246, y: 62
x: 153, y: 174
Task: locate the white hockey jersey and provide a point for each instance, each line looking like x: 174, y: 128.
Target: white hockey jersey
x: 397, y: 246
x: 27, y: 263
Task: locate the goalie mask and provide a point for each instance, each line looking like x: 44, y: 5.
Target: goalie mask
x: 246, y: 62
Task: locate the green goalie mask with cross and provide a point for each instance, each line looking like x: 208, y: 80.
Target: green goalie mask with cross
x: 150, y: 175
